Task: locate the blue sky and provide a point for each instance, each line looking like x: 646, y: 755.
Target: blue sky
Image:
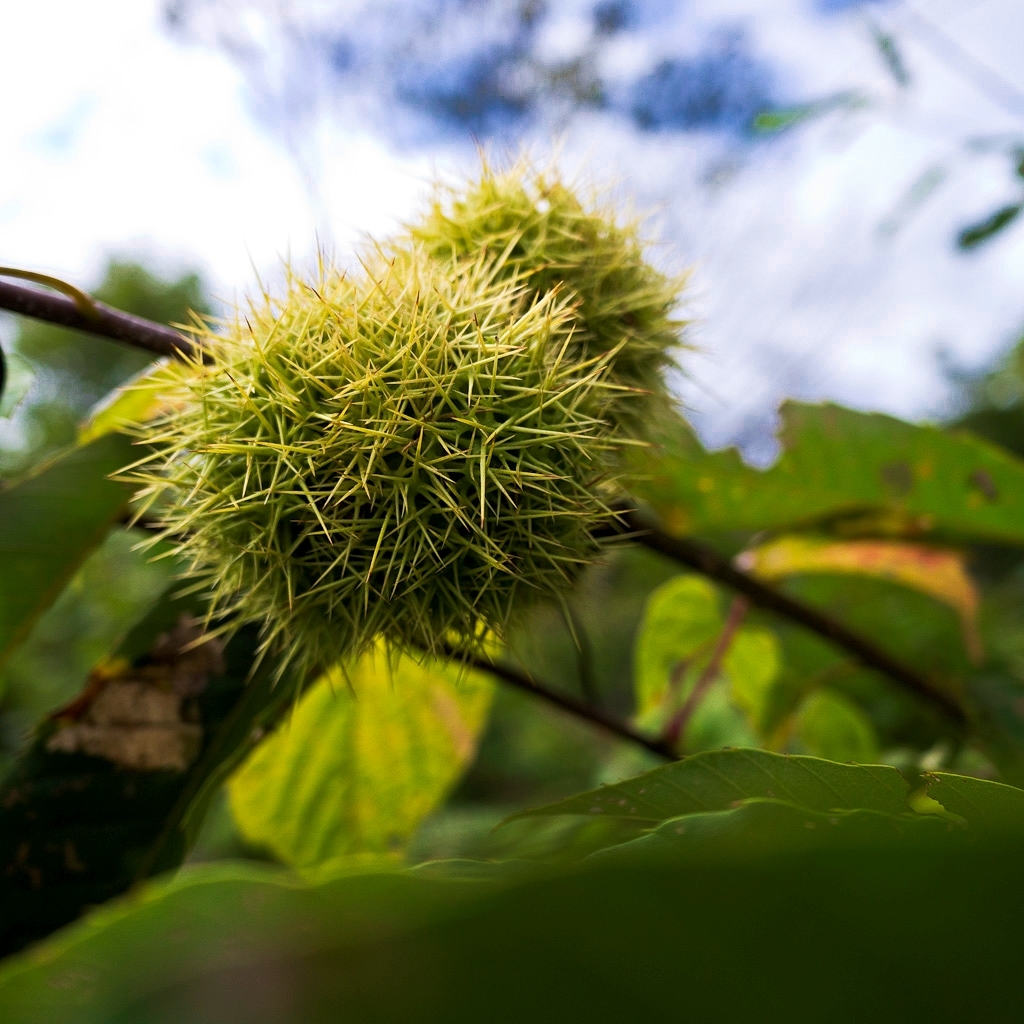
x: 814, y: 270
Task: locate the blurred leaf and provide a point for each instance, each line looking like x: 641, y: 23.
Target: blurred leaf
x: 135, y: 401
x: 997, y: 704
x: 856, y: 473
x: 681, y: 625
x: 15, y: 380
x: 716, y: 779
x: 752, y: 665
x: 904, y: 931
x: 780, y: 119
x: 114, y: 787
x: 112, y: 591
x: 892, y: 57
x: 920, y: 190
x: 769, y: 122
x: 681, y: 621
x: 940, y: 574
x: 52, y: 519
x: 357, y: 772
x: 833, y: 727
x: 973, y: 236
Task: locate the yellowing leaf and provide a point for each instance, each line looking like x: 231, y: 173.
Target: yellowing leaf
x: 135, y: 401
x: 937, y: 573
x: 357, y: 774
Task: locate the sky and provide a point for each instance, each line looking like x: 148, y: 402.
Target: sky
x: 814, y: 271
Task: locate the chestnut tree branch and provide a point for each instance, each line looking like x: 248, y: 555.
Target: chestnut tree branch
x: 106, y: 322
x: 96, y: 318
x: 521, y: 681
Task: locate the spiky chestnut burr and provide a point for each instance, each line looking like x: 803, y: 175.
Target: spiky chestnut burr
x: 411, y: 453
x: 539, y: 232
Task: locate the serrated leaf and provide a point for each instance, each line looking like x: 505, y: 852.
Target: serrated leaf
x: 760, y: 827
x: 51, y: 520
x: 857, y: 474
x: 984, y: 805
x: 715, y: 779
x: 356, y: 772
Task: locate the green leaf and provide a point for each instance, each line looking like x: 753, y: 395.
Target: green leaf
x: 752, y: 666
x: 137, y: 400
x: 780, y: 119
x: 831, y: 726
x: 914, y: 628
x: 984, y: 805
x: 356, y: 772
x: 52, y: 519
x: 762, y: 827
x: 997, y: 706
x: 682, y: 621
x: 974, y: 235
x: 899, y: 932
x: 851, y: 472
x: 715, y: 779
x: 940, y: 574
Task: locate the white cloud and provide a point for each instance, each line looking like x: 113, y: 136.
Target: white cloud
x: 121, y: 139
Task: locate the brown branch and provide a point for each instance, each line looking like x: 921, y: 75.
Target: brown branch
x: 521, y: 681
x: 645, y: 530
x: 100, y: 319
x: 677, y: 724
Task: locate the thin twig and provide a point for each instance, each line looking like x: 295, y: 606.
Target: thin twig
x: 677, y: 724
x: 521, y: 681
x: 643, y: 528
x: 152, y: 337
x: 101, y: 320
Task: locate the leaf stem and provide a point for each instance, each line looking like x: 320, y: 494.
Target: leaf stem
x: 677, y: 724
